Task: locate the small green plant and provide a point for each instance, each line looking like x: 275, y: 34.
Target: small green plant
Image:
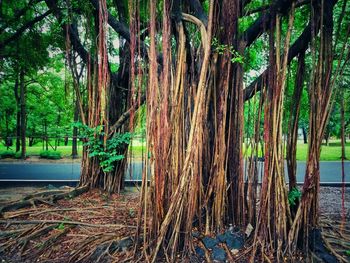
x: 131, y: 212
x: 293, y: 195
x: 222, y: 48
x: 18, y: 155
x: 60, y: 226
x: 108, y: 152
x: 347, y: 252
x: 53, y: 155
x: 39, y: 245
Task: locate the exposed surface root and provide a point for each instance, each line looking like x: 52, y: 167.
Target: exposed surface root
x: 46, y: 197
x: 92, y: 227
x: 336, y: 238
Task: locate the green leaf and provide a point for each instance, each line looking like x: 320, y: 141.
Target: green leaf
x: 60, y: 226
x: 293, y: 195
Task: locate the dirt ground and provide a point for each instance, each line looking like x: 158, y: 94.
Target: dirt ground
x: 94, y: 227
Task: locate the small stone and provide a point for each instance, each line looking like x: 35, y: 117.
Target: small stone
x: 125, y: 243
x: 218, y: 254
x: 200, y: 252
x: 221, y: 237
x: 249, y: 230
x: 210, y: 242
x: 234, y: 251
x: 195, y: 234
x: 51, y: 187
x: 235, y: 242
x: 231, y: 228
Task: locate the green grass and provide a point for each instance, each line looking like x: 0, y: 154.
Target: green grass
x: 53, y: 155
x: 332, y: 152
x: 37, y: 148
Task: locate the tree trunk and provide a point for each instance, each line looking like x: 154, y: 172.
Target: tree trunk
x: 18, y: 116
x: 46, y: 135
x: 8, y: 139
x: 343, y: 157
x: 304, y: 134
x: 102, y: 89
x: 326, y: 136
x: 75, y: 131
x: 233, y: 103
x: 320, y: 92
x: 274, y: 215
x: 23, y: 114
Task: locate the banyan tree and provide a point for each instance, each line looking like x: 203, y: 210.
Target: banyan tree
x: 195, y: 114
x: 187, y: 66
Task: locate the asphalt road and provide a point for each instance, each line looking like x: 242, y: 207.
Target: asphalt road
x: 56, y: 172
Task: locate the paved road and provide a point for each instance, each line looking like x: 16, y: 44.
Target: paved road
x: 330, y: 171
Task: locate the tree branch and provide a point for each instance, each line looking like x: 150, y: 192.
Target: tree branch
x: 266, y: 7
x: 24, y: 28
x: 300, y: 45
x: 125, y: 116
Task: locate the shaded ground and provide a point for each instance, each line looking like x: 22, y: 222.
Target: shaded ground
x: 96, y: 228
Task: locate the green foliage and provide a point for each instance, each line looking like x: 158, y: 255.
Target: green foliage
x: 7, y: 154
x: 10, y: 154
x: 60, y: 226
x: 131, y: 212
x: 18, y: 155
x: 114, y: 67
x: 293, y: 195
x: 347, y: 252
x: 54, y: 155
x: 222, y: 48
x: 109, y: 153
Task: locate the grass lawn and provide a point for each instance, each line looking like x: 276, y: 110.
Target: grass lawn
x: 332, y: 152
x: 37, y: 148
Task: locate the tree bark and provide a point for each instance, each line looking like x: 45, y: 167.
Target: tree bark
x: 23, y: 113
x: 18, y: 116
x: 75, y: 131
x: 320, y: 92
x: 304, y: 134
